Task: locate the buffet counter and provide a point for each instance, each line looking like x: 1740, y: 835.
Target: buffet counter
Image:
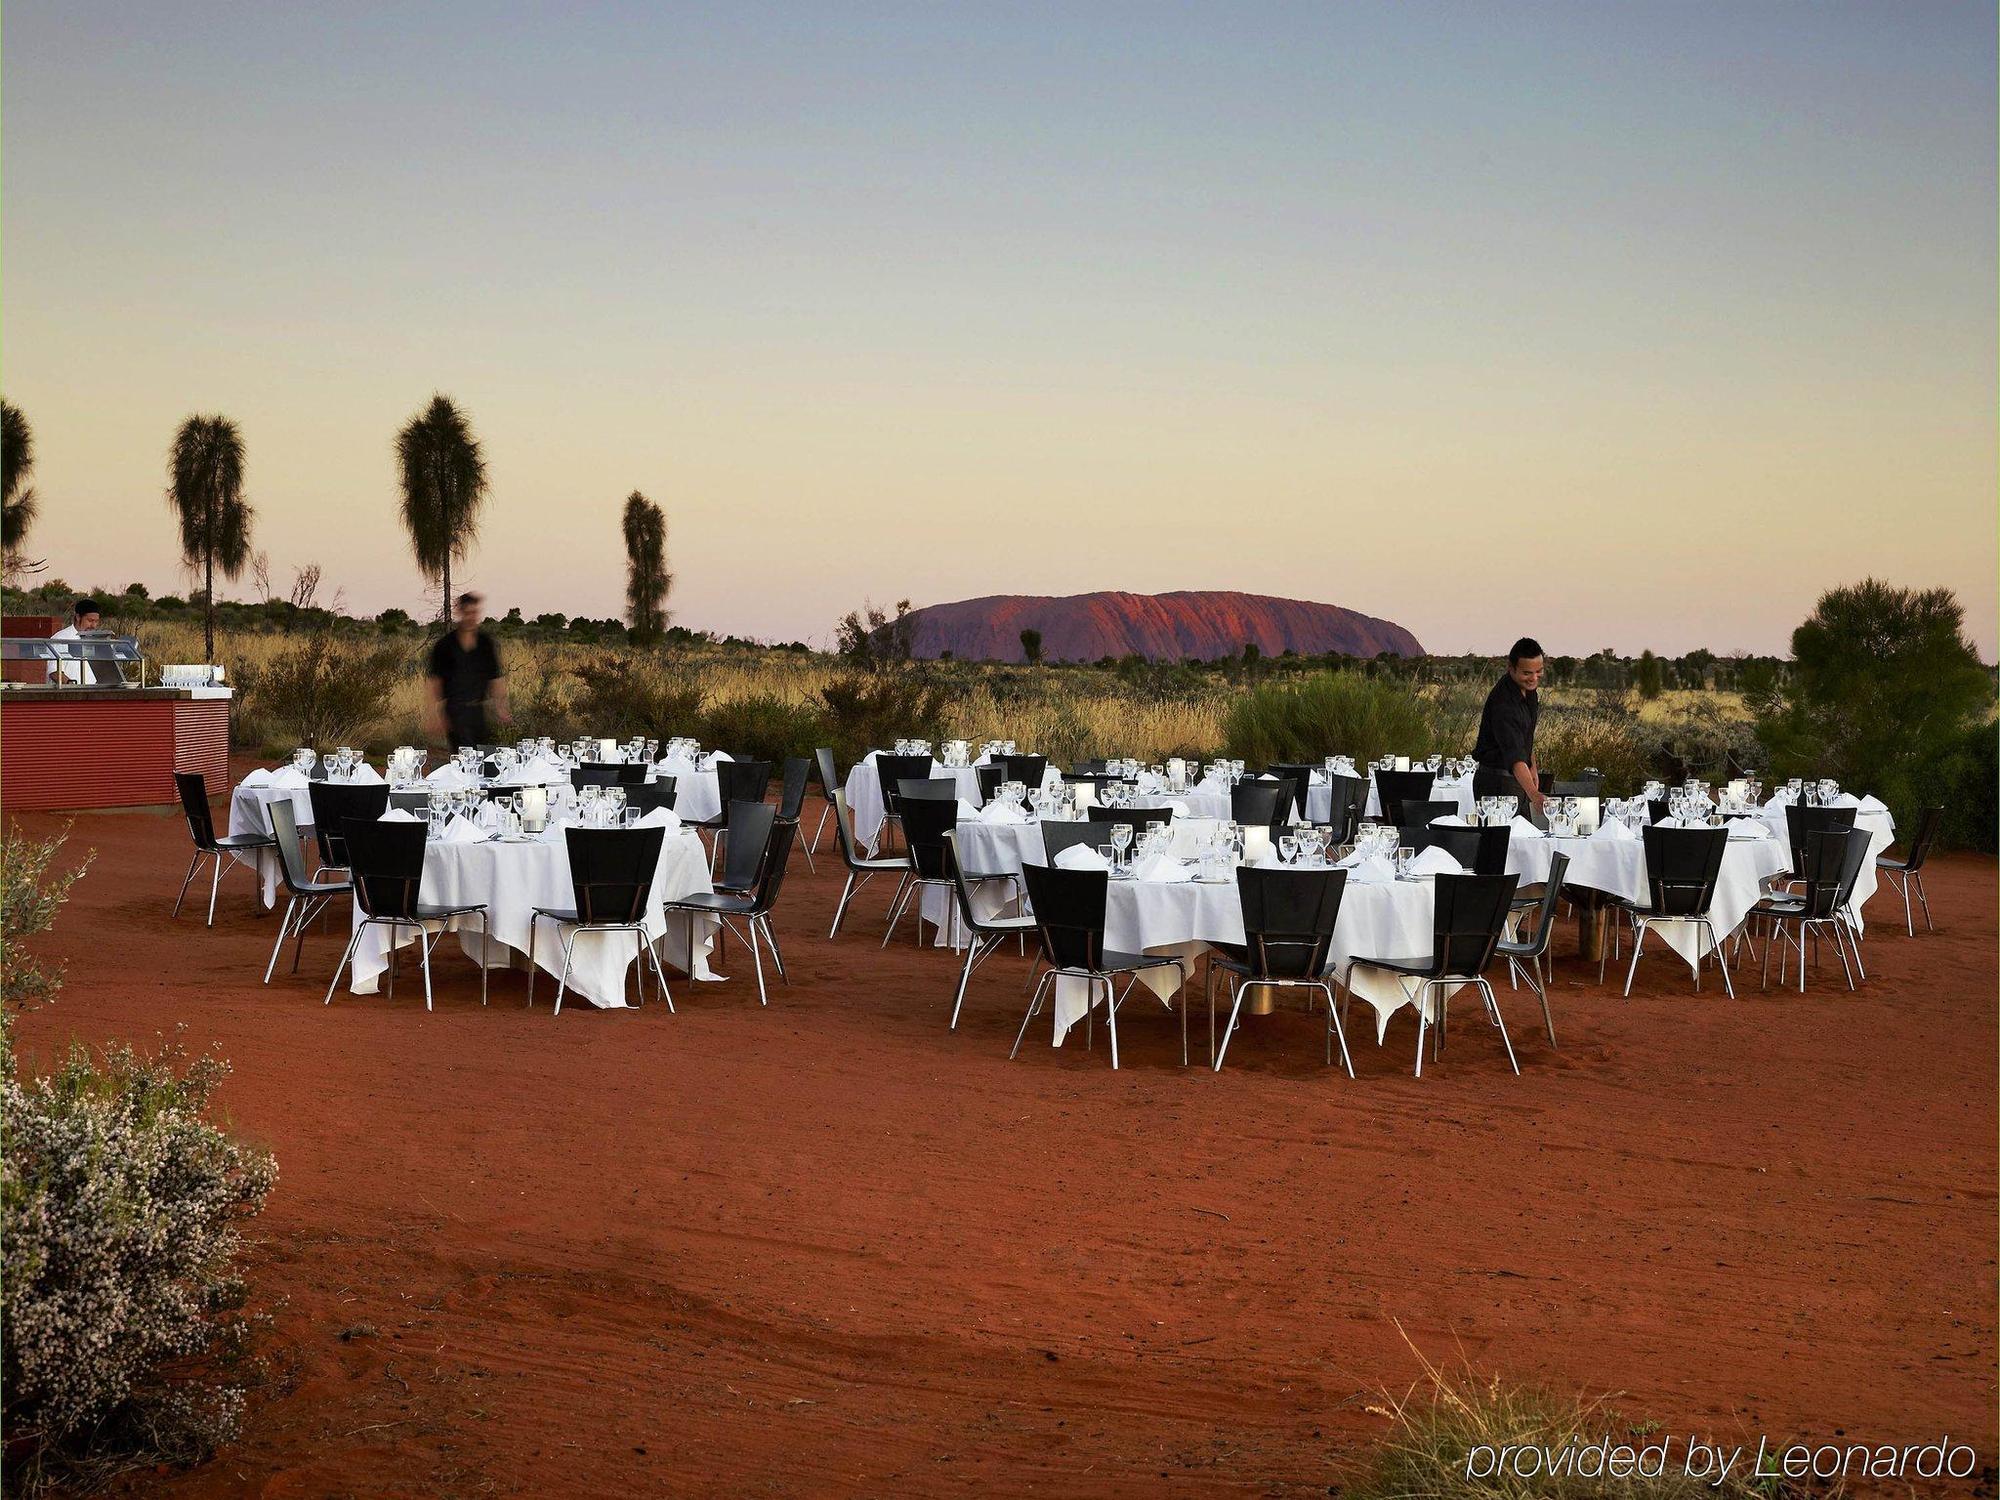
x: 84, y: 746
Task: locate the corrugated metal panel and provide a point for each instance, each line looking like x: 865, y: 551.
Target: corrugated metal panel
x: 106, y: 753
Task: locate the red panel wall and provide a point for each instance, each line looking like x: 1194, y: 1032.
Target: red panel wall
x: 109, y: 753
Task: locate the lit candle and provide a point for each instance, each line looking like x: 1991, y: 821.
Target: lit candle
x: 534, y: 808
x: 607, y: 750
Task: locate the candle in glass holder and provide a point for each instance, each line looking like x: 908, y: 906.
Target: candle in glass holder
x: 534, y: 808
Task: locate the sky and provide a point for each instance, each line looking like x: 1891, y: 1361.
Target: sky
x: 1622, y: 325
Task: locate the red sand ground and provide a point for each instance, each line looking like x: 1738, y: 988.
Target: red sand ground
x: 833, y: 1247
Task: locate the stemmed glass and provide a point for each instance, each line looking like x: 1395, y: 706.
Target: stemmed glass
x: 1288, y: 848
x: 1121, y: 839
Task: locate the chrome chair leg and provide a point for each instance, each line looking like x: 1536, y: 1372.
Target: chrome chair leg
x: 1493, y: 1001
x: 562, y: 980
x: 659, y: 975
x: 896, y: 905
x: 1924, y: 900
x: 965, y: 978
x: 819, y: 828
x: 214, y: 885
x: 534, y: 924
x: 1638, y: 939
x: 777, y: 957
x: 186, y: 881
x: 1335, y: 1029
x: 757, y: 959
x: 284, y: 931
x: 425, y: 948
x: 1034, y: 1004
x: 352, y: 942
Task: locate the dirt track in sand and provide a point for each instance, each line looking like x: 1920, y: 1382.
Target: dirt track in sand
x: 833, y: 1247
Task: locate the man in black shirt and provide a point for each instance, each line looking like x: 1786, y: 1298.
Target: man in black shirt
x: 1507, y: 724
x: 464, y: 677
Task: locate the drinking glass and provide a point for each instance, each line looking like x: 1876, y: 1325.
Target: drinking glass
x: 1288, y: 848
x: 1121, y: 838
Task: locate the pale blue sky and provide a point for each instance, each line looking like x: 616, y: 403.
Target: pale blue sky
x: 1328, y: 301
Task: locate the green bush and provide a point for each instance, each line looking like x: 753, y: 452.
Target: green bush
x: 1338, y: 713
x: 1569, y: 742
x: 321, y: 689
x: 764, y: 728
x: 866, y: 710
x: 656, y: 696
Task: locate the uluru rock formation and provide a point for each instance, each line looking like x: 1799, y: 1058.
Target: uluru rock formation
x: 1189, y: 625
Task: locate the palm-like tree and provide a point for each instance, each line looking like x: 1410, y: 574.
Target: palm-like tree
x: 205, y: 490
x: 444, y: 483
x: 18, y: 506
x: 647, y: 580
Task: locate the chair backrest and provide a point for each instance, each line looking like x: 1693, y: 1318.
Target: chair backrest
x: 829, y: 773
x: 291, y: 856
x: 742, y: 780
x: 335, y: 805
x: 1545, y: 909
x: 1581, y: 786
x: 792, y: 786
x: 611, y: 871
x: 1028, y: 769
x: 1469, y: 917
x: 1487, y: 782
x: 1801, y: 822
x: 601, y: 773
x: 648, y: 796
x: 1058, y: 835
x: 990, y: 778
x: 749, y: 828
x: 1462, y: 844
x: 777, y: 854
x: 1085, y: 768
x: 194, y: 806
x: 926, y: 821
x: 1658, y: 809
x: 1069, y: 914
x: 1346, y: 798
x: 411, y: 802
x: 1926, y: 835
x: 387, y: 864
x: 843, y: 828
x: 933, y: 789
x: 1830, y: 866
x: 961, y: 890
x: 1288, y: 919
x: 1301, y: 779
x: 1491, y: 858
x: 1138, y: 817
x: 1681, y: 866
x: 1414, y: 810
x: 891, y: 769
x: 1397, y: 787
x: 1259, y: 804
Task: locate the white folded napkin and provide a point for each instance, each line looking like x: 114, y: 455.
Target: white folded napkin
x: 462, y: 831
x: 1180, y: 808
x: 1435, y: 861
x: 1523, y: 829
x: 661, y: 817
x: 1845, y: 799
x: 1081, y: 857
x: 258, y: 777
x: 967, y: 813
x: 1747, y: 828
x: 397, y: 815
x: 448, y: 776
x: 290, y: 777
x: 1872, y: 804
x: 1162, y: 869
x: 722, y: 755
x: 366, y: 775
x: 1614, y: 831
x: 1374, y: 870
x: 997, y: 812
x: 1451, y: 820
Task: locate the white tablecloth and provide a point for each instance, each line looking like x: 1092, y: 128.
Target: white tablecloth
x: 247, y: 815
x: 511, y: 880
x: 1443, y: 789
x: 697, y: 796
x: 864, y: 794
x: 1881, y: 830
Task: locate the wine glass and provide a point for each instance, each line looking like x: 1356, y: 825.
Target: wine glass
x: 1121, y: 839
x: 1288, y: 847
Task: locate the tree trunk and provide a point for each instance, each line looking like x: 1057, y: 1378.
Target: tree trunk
x: 445, y: 607
x: 208, y: 600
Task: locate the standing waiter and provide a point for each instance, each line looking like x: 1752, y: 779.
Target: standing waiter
x: 465, y: 676
x: 1506, y: 740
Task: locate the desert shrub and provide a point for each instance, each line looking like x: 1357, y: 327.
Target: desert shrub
x: 764, y: 728
x: 538, y: 696
x: 320, y: 688
x: 29, y: 900
x: 1965, y: 782
x: 1884, y: 691
x: 620, y: 694
x: 866, y: 710
x: 1334, y: 713
x: 122, y: 1208
x: 1569, y: 742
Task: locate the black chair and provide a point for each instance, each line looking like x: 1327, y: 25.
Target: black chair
x: 201, y: 828
x: 306, y: 897
x: 1058, y: 835
x: 927, y: 823
x: 792, y: 779
x: 1139, y: 817
x: 1802, y: 822
x: 990, y: 778
x: 1394, y: 788
x: 745, y: 835
x: 735, y: 781
x: 1483, y: 851
x: 418, y: 803
x: 1527, y: 956
x: 608, y: 773
x: 1288, y: 920
x: 890, y: 770
x: 1591, y: 785
x: 829, y: 783
x: 386, y: 863
x: 650, y: 796
x: 1346, y: 798
x: 860, y: 869
x: 1260, y: 804
x: 1828, y: 870
x: 1300, y: 778
x: 335, y: 805
x: 1681, y: 868
x: 754, y: 909
x: 1069, y: 908
x: 1909, y: 870
x: 1419, y: 812
x: 611, y: 874
x: 928, y: 789
x: 1027, y: 769
x: 1658, y: 809
x: 1468, y: 920
x: 987, y: 933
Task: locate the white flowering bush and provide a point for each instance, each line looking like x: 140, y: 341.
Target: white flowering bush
x: 122, y: 1330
